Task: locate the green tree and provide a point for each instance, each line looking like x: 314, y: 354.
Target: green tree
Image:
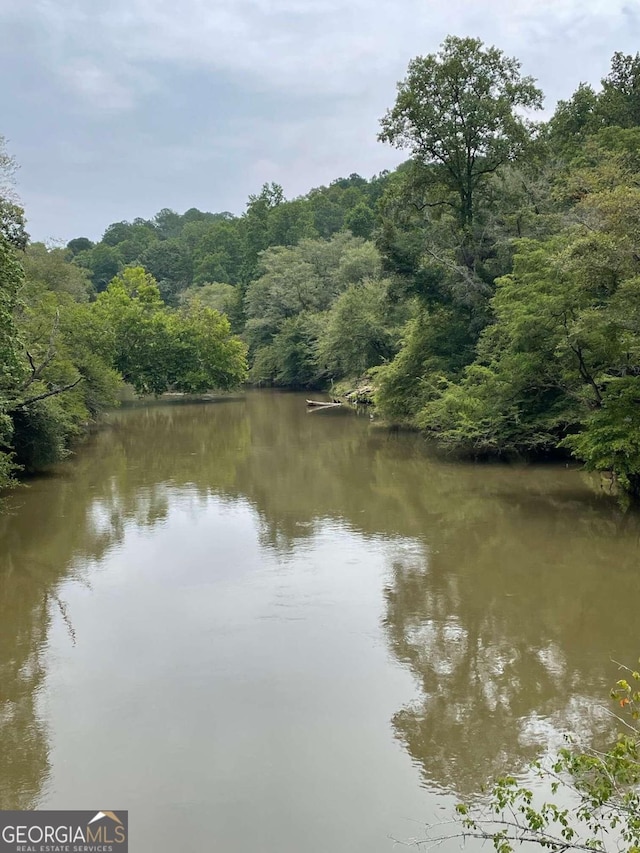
x: 619, y: 101
x: 291, y: 359
x: 157, y: 349
x: 360, y: 220
x: 560, y: 367
x: 47, y: 392
x: 300, y: 282
x: 435, y: 344
x: 130, y: 238
x: 12, y: 369
x: 216, y: 248
x: 289, y: 223
x: 217, y: 295
x: 592, y: 799
x: 169, y: 262
x: 574, y: 120
x: 327, y: 213
x: 66, y: 378
x: 52, y: 268
x: 203, y: 354
x: 79, y: 244
x: 168, y: 223
x: 459, y: 111
x: 103, y: 263
x: 359, y: 332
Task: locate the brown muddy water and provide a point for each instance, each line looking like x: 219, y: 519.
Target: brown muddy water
x: 262, y: 629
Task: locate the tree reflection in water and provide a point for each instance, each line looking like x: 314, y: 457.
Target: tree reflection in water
x: 508, y: 631
x: 508, y: 587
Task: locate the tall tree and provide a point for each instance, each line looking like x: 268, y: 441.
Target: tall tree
x: 619, y: 102
x: 458, y: 110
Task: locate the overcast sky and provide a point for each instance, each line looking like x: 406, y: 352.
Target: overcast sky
x: 118, y: 108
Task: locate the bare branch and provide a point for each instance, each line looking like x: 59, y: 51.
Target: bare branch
x: 36, y: 372
x: 421, y: 207
x: 52, y: 393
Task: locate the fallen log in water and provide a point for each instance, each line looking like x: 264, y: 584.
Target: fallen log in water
x: 322, y: 404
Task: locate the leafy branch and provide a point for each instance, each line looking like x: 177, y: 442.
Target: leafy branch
x: 602, y: 787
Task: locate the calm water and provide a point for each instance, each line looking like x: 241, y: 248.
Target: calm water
x: 260, y: 629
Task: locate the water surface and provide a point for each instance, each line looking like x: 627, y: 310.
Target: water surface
x: 264, y: 629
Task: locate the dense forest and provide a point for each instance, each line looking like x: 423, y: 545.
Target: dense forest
x: 488, y: 289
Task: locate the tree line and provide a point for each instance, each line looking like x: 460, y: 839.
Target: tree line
x: 486, y: 288
x: 65, y: 350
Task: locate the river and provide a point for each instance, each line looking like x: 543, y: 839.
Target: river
x: 262, y: 629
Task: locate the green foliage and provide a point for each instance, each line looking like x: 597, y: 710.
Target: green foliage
x: 79, y: 244
x: 11, y: 277
x: 64, y: 357
x: 617, y: 105
x: 52, y: 269
x: 103, y: 262
x: 286, y: 311
x: 453, y: 270
x: 12, y: 223
x: 12, y: 370
x: 217, y: 295
x: 497, y: 308
x: 593, y: 799
x: 167, y: 223
x: 41, y: 434
x: 512, y: 398
x: 169, y: 262
x: 291, y: 357
x: 357, y: 334
x: 157, y: 349
x: 197, y: 247
x: 360, y: 220
x: 69, y: 381
x: 619, y: 102
x: 203, y: 355
x: 458, y: 110
x: 610, y: 436
x: 447, y: 218
x: 574, y: 120
x: 556, y: 369
x: 217, y: 250
x: 434, y: 346
x: 54, y: 380
x: 360, y: 261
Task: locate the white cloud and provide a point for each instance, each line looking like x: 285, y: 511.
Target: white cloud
x: 138, y: 104
x: 312, y: 47
x: 99, y: 86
